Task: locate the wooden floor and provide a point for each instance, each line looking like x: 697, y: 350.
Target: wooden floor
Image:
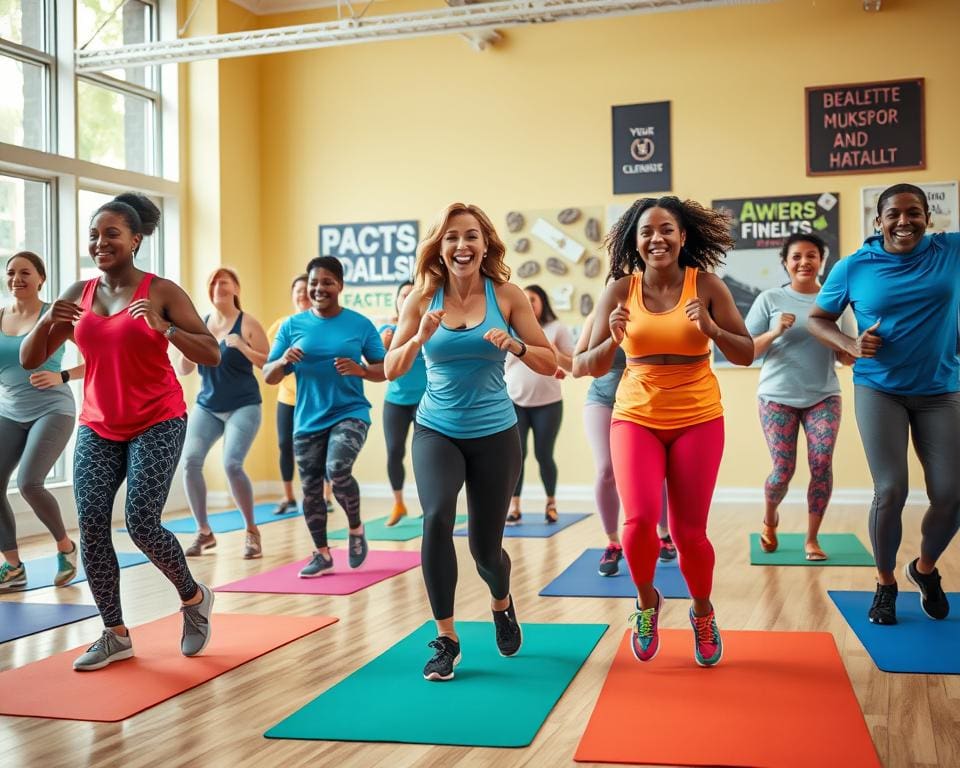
x: 914, y: 719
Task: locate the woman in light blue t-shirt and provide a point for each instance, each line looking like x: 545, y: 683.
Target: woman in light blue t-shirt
x: 798, y: 386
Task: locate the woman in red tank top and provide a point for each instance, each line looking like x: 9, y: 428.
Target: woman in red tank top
x: 133, y: 418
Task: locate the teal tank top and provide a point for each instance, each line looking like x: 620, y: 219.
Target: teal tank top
x: 466, y: 396
x: 603, y: 389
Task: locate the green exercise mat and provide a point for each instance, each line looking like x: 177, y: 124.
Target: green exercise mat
x: 492, y: 702
x: 840, y: 548
x: 376, y: 530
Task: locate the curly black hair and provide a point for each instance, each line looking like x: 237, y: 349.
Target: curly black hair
x: 707, y: 230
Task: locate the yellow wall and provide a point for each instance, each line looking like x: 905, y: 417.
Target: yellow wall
x: 396, y: 130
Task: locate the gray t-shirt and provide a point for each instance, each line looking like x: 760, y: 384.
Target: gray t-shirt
x: 797, y: 369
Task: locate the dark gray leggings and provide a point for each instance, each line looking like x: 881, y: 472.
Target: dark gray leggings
x: 489, y: 467
x: 36, y: 446
x: 886, y: 422
x: 544, y: 421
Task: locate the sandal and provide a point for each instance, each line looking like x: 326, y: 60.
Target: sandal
x: 513, y: 518
x: 550, y: 514
x: 813, y: 552
x: 768, y: 537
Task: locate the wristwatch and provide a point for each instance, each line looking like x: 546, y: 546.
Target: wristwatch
x: 65, y: 376
x: 171, y: 329
x: 523, y: 348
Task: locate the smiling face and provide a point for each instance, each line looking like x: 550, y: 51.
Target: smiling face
x: 903, y: 222
x: 462, y: 246
x: 23, y: 280
x: 111, y: 243
x: 803, y: 264
x: 324, y: 289
x: 300, y: 296
x: 659, y: 238
x: 223, y: 289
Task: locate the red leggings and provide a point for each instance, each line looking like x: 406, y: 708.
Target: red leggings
x: 689, y: 459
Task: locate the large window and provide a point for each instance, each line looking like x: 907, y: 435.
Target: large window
x: 26, y: 73
x: 25, y: 222
x: 149, y: 257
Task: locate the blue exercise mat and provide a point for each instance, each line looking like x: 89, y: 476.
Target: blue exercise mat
x: 581, y: 579
x: 224, y: 522
x: 41, y: 572
x: 915, y: 644
x: 22, y: 619
x: 536, y: 528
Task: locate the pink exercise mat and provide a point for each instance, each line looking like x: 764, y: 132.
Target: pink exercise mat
x: 341, y: 580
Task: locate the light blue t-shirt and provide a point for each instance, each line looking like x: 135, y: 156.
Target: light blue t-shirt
x: 409, y: 388
x: 324, y: 397
x: 916, y: 298
x: 797, y: 369
x: 466, y: 396
x: 19, y: 399
x: 603, y: 389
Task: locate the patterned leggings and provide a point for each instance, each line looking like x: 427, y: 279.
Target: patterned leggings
x: 332, y: 451
x: 781, y: 425
x: 147, y: 463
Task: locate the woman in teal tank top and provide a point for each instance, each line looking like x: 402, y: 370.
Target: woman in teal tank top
x: 466, y: 317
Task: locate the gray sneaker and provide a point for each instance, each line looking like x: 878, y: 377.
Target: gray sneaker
x: 13, y: 578
x: 196, y: 624
x: 357, y: 550
x: 66, y: 567
x: 202, y: 542
x: 317, y: 566
x: 108, y: 649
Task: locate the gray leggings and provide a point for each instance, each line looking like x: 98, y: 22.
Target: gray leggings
x: 36, y: 445
x: 238, y: 429
x: 886, y: 421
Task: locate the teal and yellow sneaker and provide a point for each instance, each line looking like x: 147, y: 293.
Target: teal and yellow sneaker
x: 66, y: 567
x: 707, y: 645
x: 645, y: 639
x: 13, y: 578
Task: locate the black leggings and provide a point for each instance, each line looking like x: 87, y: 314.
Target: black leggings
x: 489, y: 466
x: 285, y: 440
x: 545, y: 422
x: 147, y: 463
x: 396, y: 425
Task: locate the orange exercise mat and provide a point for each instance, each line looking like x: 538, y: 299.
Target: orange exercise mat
x: 52, y: 688
x: 776, y: 700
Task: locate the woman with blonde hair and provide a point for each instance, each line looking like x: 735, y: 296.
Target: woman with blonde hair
x: 460, y: 314
x: 228, y: 406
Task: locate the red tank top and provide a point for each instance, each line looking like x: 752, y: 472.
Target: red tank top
x: 129, y: 385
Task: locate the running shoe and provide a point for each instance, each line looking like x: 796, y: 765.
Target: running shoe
x: 933, y: 599
x: 441, y: 664
x: 644, y: 637
x: 610, y: 561
x: 668, y: 551
x: 13, y: 578
x: 317, y: 566
x: 202, y: 542
x: 707, y: 645
x: 509, y: 634
x: 109, y: 648
x: 884, y: 608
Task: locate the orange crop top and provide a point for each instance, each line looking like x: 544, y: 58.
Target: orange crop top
x: 663, y: 333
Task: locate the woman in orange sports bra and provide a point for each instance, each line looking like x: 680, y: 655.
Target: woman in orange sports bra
x: 664, y: 309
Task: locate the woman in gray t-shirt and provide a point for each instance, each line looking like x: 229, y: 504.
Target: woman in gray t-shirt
x: 798, y: 386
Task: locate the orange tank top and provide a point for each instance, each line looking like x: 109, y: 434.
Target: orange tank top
x: 663, y: 333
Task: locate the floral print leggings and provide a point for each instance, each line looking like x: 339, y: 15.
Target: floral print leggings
x: 781, y: 425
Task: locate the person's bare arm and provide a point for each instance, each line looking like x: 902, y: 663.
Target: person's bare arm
x: 53, y: 329
x: 823, y: 326
x: 170, y: 305
x: 539, y: 355
x: 414, y: 328
x: 609, y: 327
x: 251, y: 341
x: 716, y: 314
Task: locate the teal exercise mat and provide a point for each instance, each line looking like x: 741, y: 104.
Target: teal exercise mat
x: 376, y: 530
x: 840, y: 549
x: 23, y: 619
x: 492, y: 702
x: 916, y: 644
x: 42, y: 571
x: 224, y: 522
x: 536, y: 527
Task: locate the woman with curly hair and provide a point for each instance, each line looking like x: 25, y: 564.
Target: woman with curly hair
x: 461, y: 314
x: 664, y: 308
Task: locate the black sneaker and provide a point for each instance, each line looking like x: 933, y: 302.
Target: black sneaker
x: 286, y: 506
x: 933, y: 600
x: 884, y: 608
x: 513, y: 518
x: 509, y: 634
x: 358, y: 549
x: 668, y: 551
x: 447, y: 656
x: 610, y: 561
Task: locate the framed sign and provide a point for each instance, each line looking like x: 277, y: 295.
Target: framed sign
x: 641, y: 148
x: 376, y: 253
x: 865, y: 127
x: 760, y: 226
x: 941, y: 196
